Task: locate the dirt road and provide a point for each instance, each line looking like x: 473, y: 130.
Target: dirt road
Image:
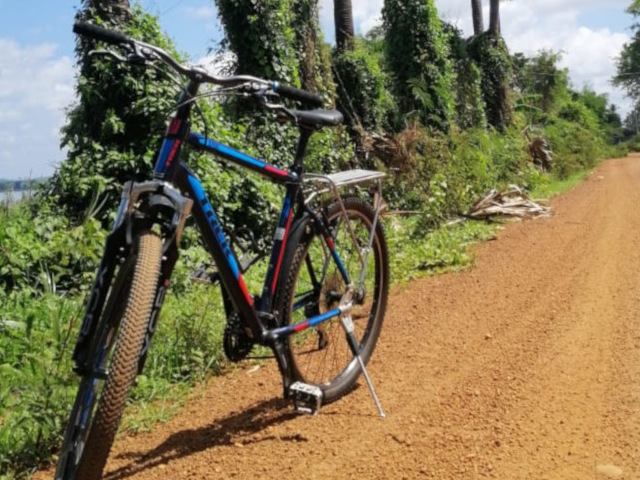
x: 525, y: 367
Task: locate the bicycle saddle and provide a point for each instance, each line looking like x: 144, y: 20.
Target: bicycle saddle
x: 318, y: 118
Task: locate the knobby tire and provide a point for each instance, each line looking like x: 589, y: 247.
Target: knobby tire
x: 136, y: 295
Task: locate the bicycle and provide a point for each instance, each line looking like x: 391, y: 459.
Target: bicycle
x: 312, y: 291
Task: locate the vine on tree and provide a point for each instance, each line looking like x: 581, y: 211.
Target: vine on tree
x: 418, y: 55
x: 491, y: 55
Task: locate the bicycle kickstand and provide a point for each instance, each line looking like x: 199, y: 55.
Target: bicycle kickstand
x: 347, y: 324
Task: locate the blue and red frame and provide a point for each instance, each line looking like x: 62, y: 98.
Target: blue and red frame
x: 170, y: 168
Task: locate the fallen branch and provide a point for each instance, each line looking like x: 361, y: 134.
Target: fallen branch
x: 512, y: 202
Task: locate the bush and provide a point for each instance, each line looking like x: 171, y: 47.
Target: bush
x: 442, y: 175
x: 37, y: 382
x: 574, y: 147
x: 44, y: 252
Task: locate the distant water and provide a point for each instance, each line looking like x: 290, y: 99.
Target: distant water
x: 15, y: 196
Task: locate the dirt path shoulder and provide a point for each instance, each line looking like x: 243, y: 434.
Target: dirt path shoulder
x: 525, y: 367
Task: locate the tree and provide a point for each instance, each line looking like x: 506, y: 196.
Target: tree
x: 469, y: 107
x: 119, y: 108
x: 478, y: 20
x: 262, y: 37
x: 343, y: 18
x: 540, y: 76
x: 278, y: 39
x: 491, y: 55
x: 628, y: 64
x: 632, y: 120
x: 494, y: 17
x: 418, y: 54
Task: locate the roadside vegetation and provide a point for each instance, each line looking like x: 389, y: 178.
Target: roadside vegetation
x: 447, y: 118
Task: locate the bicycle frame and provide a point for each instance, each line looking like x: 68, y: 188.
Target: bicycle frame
x: 170, y: 169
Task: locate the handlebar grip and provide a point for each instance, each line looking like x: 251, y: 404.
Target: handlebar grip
x: 293, y: 93
x: 99, y: 33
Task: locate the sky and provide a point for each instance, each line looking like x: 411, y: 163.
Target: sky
x: 37, y: 65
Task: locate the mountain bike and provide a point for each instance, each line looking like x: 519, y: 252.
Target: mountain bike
x: 325, y: 292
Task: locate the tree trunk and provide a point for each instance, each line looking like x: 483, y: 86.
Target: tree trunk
x: 114, y: 10
x: 494, y: 20
x: 478, y: 20
x: 343, y: 17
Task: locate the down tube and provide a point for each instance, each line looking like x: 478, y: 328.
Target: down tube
x: 220, y: 249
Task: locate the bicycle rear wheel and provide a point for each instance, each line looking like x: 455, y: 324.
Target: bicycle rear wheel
x: 102, y: 393
x: 321, y: 355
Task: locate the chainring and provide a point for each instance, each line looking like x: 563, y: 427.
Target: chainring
x: 236, y: 343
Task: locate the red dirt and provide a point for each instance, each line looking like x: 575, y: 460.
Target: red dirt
x: 526, y: 366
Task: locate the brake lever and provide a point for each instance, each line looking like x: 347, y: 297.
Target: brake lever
x: 282, y: 112
x: 142, y: 56
x: 136, y: 55
x: 261, y: 94
x: 107, y: 53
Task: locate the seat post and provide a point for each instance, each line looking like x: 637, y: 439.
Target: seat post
x: 305, y: 135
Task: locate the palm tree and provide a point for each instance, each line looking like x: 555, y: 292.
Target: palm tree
x: 343, y: 17
x: 478, y: 20
x: 494, y: 17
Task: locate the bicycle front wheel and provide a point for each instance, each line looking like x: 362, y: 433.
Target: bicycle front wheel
x: 103, y: 391
x: 315, y: 285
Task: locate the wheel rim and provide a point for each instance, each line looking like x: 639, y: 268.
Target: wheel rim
x: 321, y: 355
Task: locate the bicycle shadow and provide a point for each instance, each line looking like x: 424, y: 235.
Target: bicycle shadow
x: 236, y: 428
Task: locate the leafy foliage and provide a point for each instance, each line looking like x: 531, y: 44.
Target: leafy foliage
x: 628, y: 64
x: 418, y: 56
x: 469, y: 104
x: 578, y: 125
x: 44, y: 252
x: 541, y: 77
x: 361, y: 87
x: 263, y: 37
x: 442, y: 175
x: 120, y: 107
x: 37, y: 382
x: 490, y: 54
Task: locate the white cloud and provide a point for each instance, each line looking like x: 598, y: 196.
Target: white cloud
x: 35, y: 87
x: 201, y: 13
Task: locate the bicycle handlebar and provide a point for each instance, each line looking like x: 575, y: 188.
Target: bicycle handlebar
x: 94, y: 31
x: 195, y: 73
x: 293, y: 93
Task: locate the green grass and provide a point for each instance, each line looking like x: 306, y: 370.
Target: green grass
x: 551, y: 187
x: 442, y: 250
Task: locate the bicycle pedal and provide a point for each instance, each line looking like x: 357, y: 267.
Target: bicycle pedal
x: 204, y: 274
x: 306, y: 398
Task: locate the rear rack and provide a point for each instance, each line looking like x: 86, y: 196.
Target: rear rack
x: 342, y: 179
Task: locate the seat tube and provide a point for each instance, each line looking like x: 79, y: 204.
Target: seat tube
x: 305, y: 135
x: 284, y: 225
